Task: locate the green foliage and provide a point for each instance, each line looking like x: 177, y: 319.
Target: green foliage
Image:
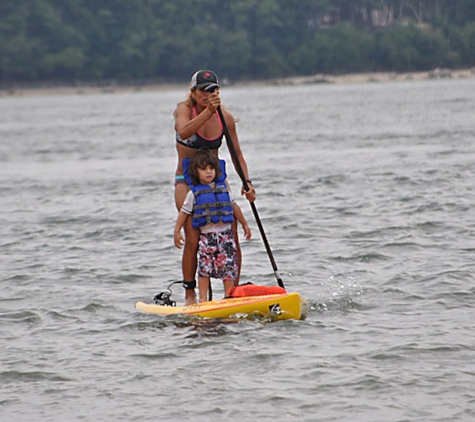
x: 409, y: 48
x: 337, y: 50
x: 467, y: 41
x: 67, y: 40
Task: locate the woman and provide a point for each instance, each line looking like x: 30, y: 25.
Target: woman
x: 197, y: 125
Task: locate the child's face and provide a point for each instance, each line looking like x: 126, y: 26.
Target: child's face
x: 207, y: 174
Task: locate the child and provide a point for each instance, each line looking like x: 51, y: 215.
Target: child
x: 212, y: 209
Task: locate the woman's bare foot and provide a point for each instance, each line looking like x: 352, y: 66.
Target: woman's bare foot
x: 190, y: 297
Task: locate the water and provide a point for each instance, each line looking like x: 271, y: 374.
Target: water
x: 366, y: 195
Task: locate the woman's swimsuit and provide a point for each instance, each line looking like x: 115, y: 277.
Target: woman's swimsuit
x: 197, y: 141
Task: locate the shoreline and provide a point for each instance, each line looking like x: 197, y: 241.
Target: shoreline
x: 372, y: 77
x: 351, y: 78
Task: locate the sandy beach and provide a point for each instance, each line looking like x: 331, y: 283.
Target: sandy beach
x: 378, y: 77
x: 354, y: 78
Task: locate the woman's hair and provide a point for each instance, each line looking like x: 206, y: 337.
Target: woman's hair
x: 190, y: 100
x: 200, y: 160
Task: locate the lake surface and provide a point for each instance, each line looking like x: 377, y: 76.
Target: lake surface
x: 366, y: 194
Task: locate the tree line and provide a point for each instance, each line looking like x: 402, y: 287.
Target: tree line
x: 166, y: 40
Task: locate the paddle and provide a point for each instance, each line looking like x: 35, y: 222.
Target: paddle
x: 245, y: 184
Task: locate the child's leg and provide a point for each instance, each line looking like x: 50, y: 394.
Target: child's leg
x: 228, y: 285
x: 204, y: 265
x: 238, y: 250
x: 228, y: 270
x: 203, y: 285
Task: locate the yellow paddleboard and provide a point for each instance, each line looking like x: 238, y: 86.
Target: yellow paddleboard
x: 278, y: 307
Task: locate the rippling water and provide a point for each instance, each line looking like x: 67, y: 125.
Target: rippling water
x: 366, y: 194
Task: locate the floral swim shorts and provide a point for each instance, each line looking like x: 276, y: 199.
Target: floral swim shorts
x: 217, y: 256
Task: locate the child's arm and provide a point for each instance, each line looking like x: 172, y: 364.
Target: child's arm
x: 180, y: 222
x: 238, y: 214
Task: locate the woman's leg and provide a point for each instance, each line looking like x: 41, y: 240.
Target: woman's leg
x: 189, y: 259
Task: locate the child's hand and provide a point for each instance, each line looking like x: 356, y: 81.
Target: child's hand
x: 247, y: 231
x: 178, y: 239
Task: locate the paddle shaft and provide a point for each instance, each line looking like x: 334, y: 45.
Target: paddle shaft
x: 232, y: 150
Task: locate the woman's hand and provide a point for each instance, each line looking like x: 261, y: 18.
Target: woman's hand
x: 213, y: 101
x: 250, y: 193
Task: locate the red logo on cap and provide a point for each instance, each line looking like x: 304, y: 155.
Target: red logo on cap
x: 207, y: 75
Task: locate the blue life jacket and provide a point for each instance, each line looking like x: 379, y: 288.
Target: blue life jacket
x: 212, y: 205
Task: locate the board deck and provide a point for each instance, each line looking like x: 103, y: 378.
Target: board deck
x: 278, y: 307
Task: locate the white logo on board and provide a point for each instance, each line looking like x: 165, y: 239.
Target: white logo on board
x: 275, y: 308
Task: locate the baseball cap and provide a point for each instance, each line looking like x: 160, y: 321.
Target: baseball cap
x: 204, y: 79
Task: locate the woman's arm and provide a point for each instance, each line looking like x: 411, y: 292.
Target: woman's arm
x: 186, y: 125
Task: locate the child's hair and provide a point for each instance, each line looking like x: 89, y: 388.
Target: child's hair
x: 201, y: 159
